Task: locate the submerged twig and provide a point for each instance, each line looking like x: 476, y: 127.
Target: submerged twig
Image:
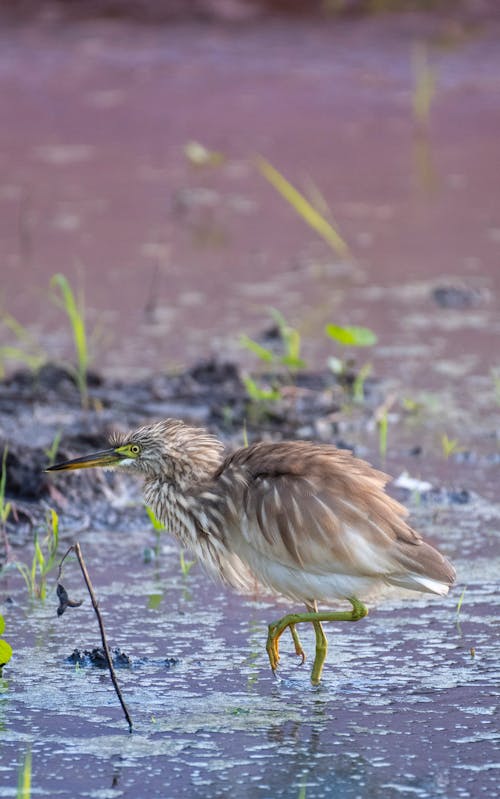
x: 66, y: 602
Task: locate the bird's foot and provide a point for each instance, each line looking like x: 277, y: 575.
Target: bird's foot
x: 275, y: 631
x: 272, y: 646
x: 298, y: 646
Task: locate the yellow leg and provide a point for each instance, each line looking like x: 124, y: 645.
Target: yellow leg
x: 276, y: 629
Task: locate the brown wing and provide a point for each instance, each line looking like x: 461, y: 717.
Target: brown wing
x: 319, y: 508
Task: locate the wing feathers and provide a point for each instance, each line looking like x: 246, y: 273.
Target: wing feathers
x: 317, y: 508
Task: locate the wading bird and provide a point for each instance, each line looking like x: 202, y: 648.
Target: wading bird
x: 305, y: 520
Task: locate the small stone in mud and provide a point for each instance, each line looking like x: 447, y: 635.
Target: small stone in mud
x: 213, y: 371
x: 456, y: 297
x: 97, y: 657
x: 459, y: 497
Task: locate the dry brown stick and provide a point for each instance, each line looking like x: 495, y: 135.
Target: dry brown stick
x: 78, y: 552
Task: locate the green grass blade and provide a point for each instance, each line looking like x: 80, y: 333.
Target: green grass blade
x: 253, y: 346
x: 24, y: 778
x: 460, y: 601
x: 4, y: 508
x: 39, y: 554
x: 74, y: 311
x: 259, y: 394
x: 383, y: 424
x: 54, y: 527
x: 303, y: 207
x: 25, y: 573
x: 245, y: 435
x: 51, y: 452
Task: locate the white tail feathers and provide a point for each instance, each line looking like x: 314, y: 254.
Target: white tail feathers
x: 419, y: 582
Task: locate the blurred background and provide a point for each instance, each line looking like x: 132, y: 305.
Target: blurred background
x: 128, y: 163
x: 130, y: 148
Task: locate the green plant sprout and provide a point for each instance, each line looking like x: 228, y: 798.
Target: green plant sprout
x: 291, y: 343
x: 290, y: 359
x: 159, y: 527
x: 460, y: 602
x: 51, y: 452
x: 358, y: 387
x: 63, y: 297
x: 302, y: 794
x: 35, y: 576
x: 5, y: 507
x: 258, y: 394
x: 303, y: 207
x: 24, y: 778
x: 382, y: 424
x: 351, y: 336
x: 186, y: 565
x: 245, y: 433
x: 5, y: 648
x: 450, y: 446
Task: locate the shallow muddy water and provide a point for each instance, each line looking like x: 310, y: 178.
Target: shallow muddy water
x: 404, y: 708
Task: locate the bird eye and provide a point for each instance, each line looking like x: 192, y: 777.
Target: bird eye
x: 135, y: 449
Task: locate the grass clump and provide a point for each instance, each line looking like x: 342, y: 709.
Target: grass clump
x: 44, y: 559
x: 5, y: 507
x: 284, y: 364
x: 290, y: 344
x: 450, y: 446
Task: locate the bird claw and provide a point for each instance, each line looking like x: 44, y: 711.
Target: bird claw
x: 272, y: 647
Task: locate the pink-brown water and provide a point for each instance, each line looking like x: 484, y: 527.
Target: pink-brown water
x: 175, y: 260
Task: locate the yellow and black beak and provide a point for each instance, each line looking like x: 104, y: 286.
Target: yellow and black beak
x: 107, y: 457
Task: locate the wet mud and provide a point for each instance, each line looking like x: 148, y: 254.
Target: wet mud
x: 408, y: 703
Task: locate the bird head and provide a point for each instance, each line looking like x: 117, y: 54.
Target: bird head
x: 169, y: 450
